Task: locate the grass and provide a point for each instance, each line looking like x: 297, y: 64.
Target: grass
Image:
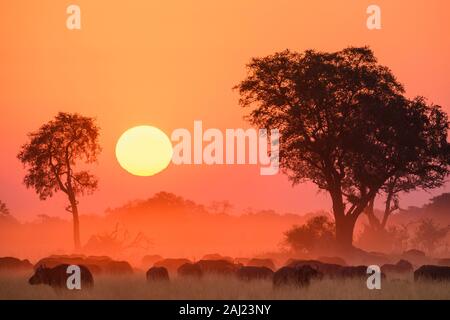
x: 224, y: 288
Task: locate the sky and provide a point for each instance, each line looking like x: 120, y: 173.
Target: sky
x: 169, y: 63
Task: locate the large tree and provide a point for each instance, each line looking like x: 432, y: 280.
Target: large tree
x: 52, y: 154
x: 345, y: 124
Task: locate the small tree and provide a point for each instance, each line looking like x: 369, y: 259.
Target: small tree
x: 429, y: 234
x: 314, y: 236
x: 51, y: 156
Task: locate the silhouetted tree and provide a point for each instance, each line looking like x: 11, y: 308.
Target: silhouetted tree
x: 429, y: 234
x: 345, y: 124
x: 52, y: 154
x: 315, y: 236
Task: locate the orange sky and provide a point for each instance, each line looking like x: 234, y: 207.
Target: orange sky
x: 168, y: 63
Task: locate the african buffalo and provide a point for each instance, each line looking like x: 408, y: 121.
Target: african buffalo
x: 332, y: 260
x: 256, y: 262
x: 96, y: 264
x: 402, y: 266
x: 254, y: 273
x: 428, y: 272
x: 157, y: 274
x: 300, y: 276
x: 171, y: 265
x: 221, y: 267
x: 352, y: 272
x: 327, y: 269
x: 14, y: 264
x: 216, y: 256
x: 56, y: 277
x: 190, y: 270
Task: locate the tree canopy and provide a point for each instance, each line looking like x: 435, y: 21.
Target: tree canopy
x: 52, y: 154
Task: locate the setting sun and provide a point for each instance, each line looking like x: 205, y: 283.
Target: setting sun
x: 144, y: 150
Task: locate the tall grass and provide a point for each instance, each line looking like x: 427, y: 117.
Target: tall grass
x: 216, y: 287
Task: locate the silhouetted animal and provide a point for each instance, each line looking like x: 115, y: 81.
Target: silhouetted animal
x: 254, y: 273
x: 333, y: 270
x: 216, y: 256
x: 428, y: 272
x: 327, y: 269
x: 402, y: 266
x: 171, y: 265
x: 352, y: 272
x: 295, y: 276
x: 332, y: 260
x: 217, y: 267
x: 157, y: 274
x: 96, y: 264
x: 14, y: 264
x: 255, y: 262
x: 117, y: 268
x: 190, y: 270
x: 56, y: 277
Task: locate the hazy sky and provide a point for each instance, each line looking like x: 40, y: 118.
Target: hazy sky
x: 168, y: 63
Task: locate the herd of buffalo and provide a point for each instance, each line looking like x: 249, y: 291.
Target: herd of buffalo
x: 53, y: 270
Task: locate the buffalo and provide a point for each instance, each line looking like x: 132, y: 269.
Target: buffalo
x: 255, y: 262
x: 56, y: 277
x: 403, y: 266
x: 327, y: 269
x: 96, y: 264
x: 221, y: 267
x: 429, y: 272
x: 332, y: 270
x: 332, y: 260
x: 300, y: 276
x: 190, y: 270
x: 216, y: 256
x: 254, y: 273
x: 14, y: 264
x: 156, y: 274
x: 171, y: 265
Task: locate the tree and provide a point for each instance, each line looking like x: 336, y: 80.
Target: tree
x: 344, y: 121
x: 313, y: 237
x: 51, y: 157
x: 429, y: 234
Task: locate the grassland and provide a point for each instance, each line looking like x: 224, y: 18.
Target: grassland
x: 216, y: 287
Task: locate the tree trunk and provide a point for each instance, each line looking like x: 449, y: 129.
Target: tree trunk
x: 76, y: 228
x: 344, y: 233
x: 76, y: 222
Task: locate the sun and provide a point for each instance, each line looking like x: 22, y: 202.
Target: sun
x: 144, y: 151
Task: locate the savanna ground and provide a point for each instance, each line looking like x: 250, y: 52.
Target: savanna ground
x: 224, y: 288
